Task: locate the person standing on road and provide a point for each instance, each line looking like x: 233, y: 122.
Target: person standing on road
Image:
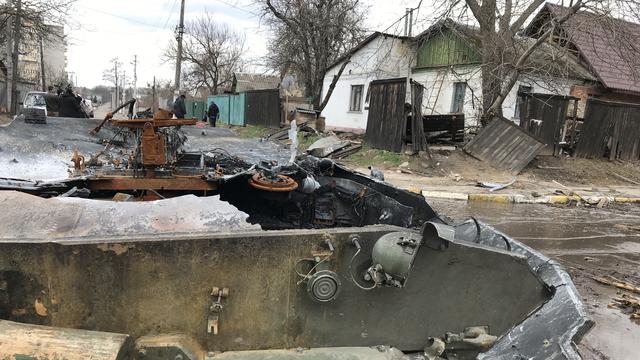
x: 179, y: 107
x: 212, y: 114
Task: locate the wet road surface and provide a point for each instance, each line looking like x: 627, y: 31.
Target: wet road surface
x: 589, y: 242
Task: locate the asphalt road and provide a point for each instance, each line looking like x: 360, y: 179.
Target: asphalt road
x: 589, y: 242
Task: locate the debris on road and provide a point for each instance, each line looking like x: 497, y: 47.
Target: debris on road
x: 626, y: 303
x: 618, y: 284
x: 495, y: 186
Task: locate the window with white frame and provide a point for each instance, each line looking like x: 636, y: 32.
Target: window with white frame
x: 457, y: 102
x: 355, y: 102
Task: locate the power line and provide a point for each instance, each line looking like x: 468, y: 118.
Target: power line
x: 170, y: 13
x: 237, y: 7
x: 133, y: 21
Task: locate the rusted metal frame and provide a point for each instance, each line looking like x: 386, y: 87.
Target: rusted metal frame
x: 139, y: 123
x: 110, y: 115
x: 154, y: 147
x: 126, y: 183
x: 282, y: 184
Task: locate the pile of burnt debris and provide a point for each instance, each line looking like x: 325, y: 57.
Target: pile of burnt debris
x: 145, y: 160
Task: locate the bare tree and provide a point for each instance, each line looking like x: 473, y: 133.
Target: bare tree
x: 113, y: 75
x: 211, y: 53
x: 506, y: 54
x: 309, y: 36
x: 35, y: 17
x: 25, y: 23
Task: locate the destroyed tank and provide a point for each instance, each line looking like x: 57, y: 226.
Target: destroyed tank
x: 308, y: 260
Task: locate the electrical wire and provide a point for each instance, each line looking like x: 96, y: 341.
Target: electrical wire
x: 305, y: 277
x: 375, y: 284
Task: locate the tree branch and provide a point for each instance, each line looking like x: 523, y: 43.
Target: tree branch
x: 332, y: 86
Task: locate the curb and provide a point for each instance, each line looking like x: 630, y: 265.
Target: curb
x: 523, y: 199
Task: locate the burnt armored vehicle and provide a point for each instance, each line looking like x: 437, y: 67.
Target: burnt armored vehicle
x: 301, y: 261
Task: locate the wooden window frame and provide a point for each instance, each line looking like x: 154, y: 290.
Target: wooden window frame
x: 455, y: 107
x: 355, y: 98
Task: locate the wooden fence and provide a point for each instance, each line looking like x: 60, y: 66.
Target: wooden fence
x: 544, y: 116
x: 262, y: 108
x: 610, y: 129
x: 504, y: 145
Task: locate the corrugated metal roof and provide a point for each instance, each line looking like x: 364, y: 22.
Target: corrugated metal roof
x: 248, y: 81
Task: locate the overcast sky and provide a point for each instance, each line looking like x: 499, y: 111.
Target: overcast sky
x: 102, y: 30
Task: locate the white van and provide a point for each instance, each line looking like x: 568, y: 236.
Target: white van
x: 34, y: 108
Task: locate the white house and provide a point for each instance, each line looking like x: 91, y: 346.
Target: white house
x: 445, y: 59
x: 379, y: 56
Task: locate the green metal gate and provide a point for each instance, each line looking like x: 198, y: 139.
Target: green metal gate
x: 236, y: 116
x: 231, y: 108
x: 223, y: 105
x: 196, y: 109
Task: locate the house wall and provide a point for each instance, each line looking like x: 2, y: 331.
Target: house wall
x: 382, y: 58
x: 439, y: 89
x: 584, y: 92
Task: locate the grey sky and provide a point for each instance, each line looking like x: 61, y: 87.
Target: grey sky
x: 102, y: 30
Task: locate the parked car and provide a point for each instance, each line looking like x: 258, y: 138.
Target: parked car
x: 34, y: 107
x: 87, y: 106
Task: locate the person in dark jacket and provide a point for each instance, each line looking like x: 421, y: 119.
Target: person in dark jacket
x: 179, y: 107
x: 212, y: 114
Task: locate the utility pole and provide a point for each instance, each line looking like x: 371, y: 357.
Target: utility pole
x: 124, y: 88
x: 115, y: 72
x: 42, y: 76
x: 154, y: 107
x: 409, y: 22
x: 179, y: 33
x: 135, y: 76
x: 14, y: 57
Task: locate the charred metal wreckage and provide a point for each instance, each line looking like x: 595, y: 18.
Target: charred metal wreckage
x: 353, y: 269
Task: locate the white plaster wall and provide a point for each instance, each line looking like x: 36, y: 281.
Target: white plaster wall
x: 438, y: 92
x: 445, y: 77
x: 388, y: 57
x: 382, y: 58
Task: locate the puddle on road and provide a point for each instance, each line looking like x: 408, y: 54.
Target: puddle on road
x: 590, y: 242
